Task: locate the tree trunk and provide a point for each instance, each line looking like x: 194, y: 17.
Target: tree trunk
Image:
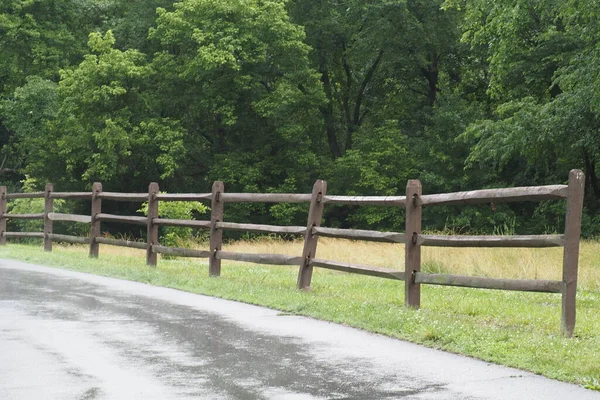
x: 432, y: 73
x: 590, y: 172
x: 327, y: 111
x: 356, y: 119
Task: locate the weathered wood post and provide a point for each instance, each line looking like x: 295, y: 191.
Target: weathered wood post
x: 315, y: 214
x: 152, y: 232
x: 216, y: 235
x: 412, y: 249
x: 571, y: 250
x: 95, y: 226
x: 48, y: 208
x: 3, y: 207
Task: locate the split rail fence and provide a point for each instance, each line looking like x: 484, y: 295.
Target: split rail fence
x: 413, y: 239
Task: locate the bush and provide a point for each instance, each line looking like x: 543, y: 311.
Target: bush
x: 177, y: 236
x: 30, y: 206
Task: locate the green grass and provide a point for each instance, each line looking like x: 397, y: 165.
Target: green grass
x: 511, y: 328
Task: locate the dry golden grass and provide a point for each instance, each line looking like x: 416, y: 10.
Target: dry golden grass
x: 104, y: 249
x: 520, y: 263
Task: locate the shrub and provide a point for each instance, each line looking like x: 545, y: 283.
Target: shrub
x: 30, y: 206
x: 177, y: 236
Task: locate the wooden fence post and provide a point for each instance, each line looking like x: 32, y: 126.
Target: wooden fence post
x: 152, y: 233
x: 412, y: 250
x: 3, y: 207
x: 48, y: 208
x: 216, y: 235
x: 315, y: 214
x: 571, y: 250
x: 95, y: 226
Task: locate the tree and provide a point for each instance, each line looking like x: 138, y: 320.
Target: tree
x: 236, y: 74
x: 130, y: 20
x: 543, y: 58
x: 27, y: 115
x: 379, y: 61
x: 109, y: 125
x: 38, y: 38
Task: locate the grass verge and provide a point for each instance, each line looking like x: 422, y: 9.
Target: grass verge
x: 511, y: 328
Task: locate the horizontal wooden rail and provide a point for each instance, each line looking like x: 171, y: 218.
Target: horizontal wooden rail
x: 23, y: 234
x: 265, y: 198
x: 180, y: 252
x: 492, y: 241
x: 359, y: 269
x: 527, y: 193
x: 35, y: 195
x: 274, y: 259
x: 359, y: 234
x: 122, y: 218
x: 85, y: 219
x: 123, y: 196
x: 529, y: 285
x: 181, y: 222
x: 69, y: 238
x: 183, y: 196
x: 298, y: 230
x: 23, y: 216
x: 71, y: 195
x: 366, y: 200
x: 121, y: 243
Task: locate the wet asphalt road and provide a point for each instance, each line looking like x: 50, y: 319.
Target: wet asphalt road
x: 67, y: 335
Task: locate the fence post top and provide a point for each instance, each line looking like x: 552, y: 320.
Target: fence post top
x: 576, y: 174
x: 153, y: 187
x: 320, y: 185
x: 218, y: 185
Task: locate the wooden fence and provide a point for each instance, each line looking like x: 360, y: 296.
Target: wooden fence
x: 412, y: 238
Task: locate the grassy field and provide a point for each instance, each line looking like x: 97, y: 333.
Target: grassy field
x: 511, y: 328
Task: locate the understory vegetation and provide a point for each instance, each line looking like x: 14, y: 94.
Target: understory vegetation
x: 511, y: 328
x: 270, y: 95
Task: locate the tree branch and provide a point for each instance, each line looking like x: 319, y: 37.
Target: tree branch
x: 356, y: 118
x: 327, y: 110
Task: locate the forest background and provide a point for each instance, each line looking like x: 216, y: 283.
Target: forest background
x: 270, y: 95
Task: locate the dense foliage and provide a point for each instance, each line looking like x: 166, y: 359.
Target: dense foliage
x: 269, y: 95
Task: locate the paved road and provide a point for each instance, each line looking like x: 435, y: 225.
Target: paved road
x: 67, y: 335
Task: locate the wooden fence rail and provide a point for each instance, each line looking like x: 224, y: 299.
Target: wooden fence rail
x: 412, y: 238
x: 492, y: 241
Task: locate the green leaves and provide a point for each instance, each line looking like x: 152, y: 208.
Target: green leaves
x: 269, y: 95
x: 184, y: 210
x: 28, y: 115
x: 237, y: 75
x: 543, y: 61
x: 39, y: 38
x: 115, y: 131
